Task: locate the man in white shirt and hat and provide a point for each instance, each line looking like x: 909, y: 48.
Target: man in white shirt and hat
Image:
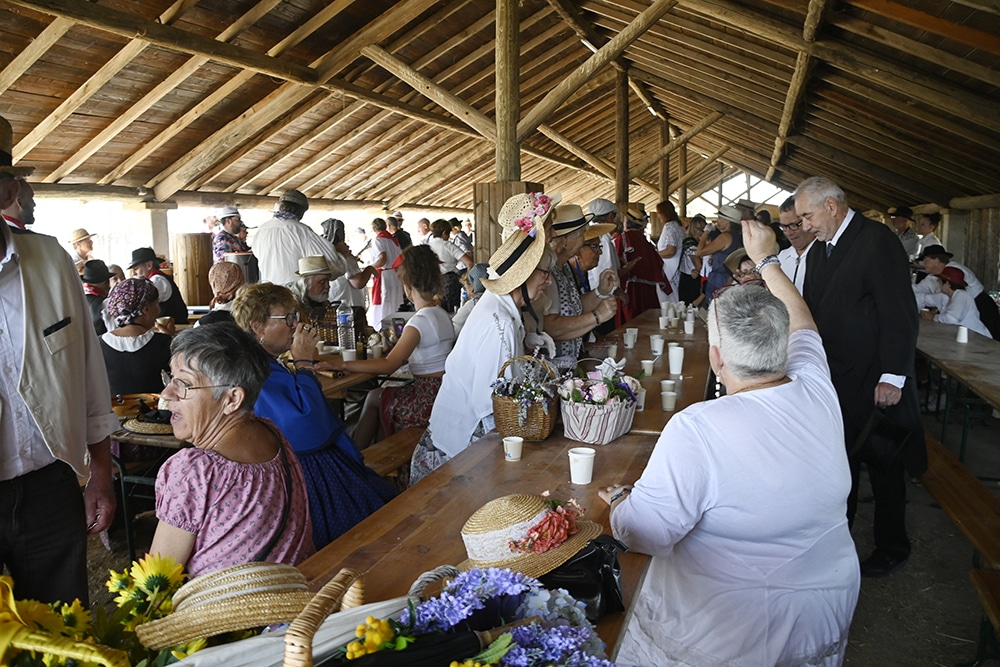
x: 284, y: 239
x: 83, y: 247
x: 227, y: 239
x: 604, y: 211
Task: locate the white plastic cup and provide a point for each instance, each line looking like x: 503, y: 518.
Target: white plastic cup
x: 512, y: 448
x: 640, y: 400
x: 632, y: 330
x: 672, y: 344
x: 613, y: 350
x: 668, y: 385
x: 349, y: 355
x: 377, y: 351
x: 962, y: 336
x: 581, y: 465
x: 656, y: 346
x: 647, y: 366
x: 689, y: 317
x: 675, y: 322
x: 663, y: 306
x: 668, y: 400
x: 664, y: 321
x: 629, y: 340
x: 676, y: 360
x: 688, y: 327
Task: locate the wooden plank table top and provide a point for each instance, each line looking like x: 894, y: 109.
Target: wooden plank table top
x: 336, y: 387
x: 975, y: 364
x: 421, y: 528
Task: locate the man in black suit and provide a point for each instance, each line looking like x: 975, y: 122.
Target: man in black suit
x: 858, y: 288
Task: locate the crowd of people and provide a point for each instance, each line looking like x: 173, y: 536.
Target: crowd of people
x: 754, y: 536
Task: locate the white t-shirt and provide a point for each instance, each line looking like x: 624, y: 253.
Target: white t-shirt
x: 742, y: 508
x: 341, y: 288
x: 962, y: 310
x: 672, y: 235
x: 928, y: 290
x: 449, y: 254
x: 437, y: 337
x: 794, y: 265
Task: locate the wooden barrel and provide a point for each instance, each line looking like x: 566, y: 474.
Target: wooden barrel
x: 192, y: 257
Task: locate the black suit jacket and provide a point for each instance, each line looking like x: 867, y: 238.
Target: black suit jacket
x: 866, y: 313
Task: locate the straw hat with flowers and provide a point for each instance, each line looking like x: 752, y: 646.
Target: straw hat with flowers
x: 525, y: 533
x: 515, y: 260
x: 528, y: 205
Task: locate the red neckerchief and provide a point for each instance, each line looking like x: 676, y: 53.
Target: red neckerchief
x: 386, y: 235
x: 92, y: 289
x: 377, y: 280
x: 155, y: 271
x: 15, y: 222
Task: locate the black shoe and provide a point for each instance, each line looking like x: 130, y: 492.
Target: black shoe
x: 879, y: 565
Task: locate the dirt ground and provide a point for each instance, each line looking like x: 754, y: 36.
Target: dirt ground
x: 926, y: 614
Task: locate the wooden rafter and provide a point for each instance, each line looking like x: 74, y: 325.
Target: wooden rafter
x: 27, y: 57
x: 963, y: 34
x: 676, y: 142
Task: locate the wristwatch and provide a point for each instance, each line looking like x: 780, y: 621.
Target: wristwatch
x: 767, y: 261
x: 624, y: 491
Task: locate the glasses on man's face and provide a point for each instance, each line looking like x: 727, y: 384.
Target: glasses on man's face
x: 546, y: 274
x: 291, y: 319
x: 791, y: 227
x: 596, y: 247
x: 181, y: 388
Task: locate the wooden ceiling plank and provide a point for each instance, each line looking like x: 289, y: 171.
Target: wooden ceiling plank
x: 912, y: 47
x: 989, y: 6
x: 709, y: 161
x: 676, y: 142
x: 408, y: 171
x: 541, y: 111
x: 31, y: 53
x: 386, y: 155
x: 444, y: 98
x: 793, y: 101
x: 963, y: 34
x: 176, y: 176
x: 129, y: 25
x: 442, y: 175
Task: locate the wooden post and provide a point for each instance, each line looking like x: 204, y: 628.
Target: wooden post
x: 664, y: 176
x: 488, y: 198
x: 682, y: 194
x: 621, y: 140
x: 508, y: 94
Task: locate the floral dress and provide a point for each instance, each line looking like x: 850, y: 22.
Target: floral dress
x: 570, y: 305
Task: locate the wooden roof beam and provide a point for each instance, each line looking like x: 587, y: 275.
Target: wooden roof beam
x: 598, y: 163
x: 710, y: 160
x: 36, y: 49
x: 541, y: 111
x: 678, y: 141
x: 972, y: 37
x: 444, y: 98
x: 129, y: 25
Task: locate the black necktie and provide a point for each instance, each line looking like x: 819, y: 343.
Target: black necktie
x: 829, y: 249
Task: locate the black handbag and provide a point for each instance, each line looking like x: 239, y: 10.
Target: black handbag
x: 592, y: 576
x: 881, y: 442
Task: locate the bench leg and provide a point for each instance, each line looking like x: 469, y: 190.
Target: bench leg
x: 988, y: 649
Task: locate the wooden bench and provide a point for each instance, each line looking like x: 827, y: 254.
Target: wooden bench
x: 966, y: 500
x: 390, y: 458
x: 987, y: 585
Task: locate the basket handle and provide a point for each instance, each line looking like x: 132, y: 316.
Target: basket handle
x: 64, y: 647
x: 330, y: 598
x: 526, y: 357
x: 429, y: 577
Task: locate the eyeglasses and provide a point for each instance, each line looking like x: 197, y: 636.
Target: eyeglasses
x: 792, y: 226
x: 547, y: 274
x: 291, y: 319
x: 596, y: 247
x: 181, y: 388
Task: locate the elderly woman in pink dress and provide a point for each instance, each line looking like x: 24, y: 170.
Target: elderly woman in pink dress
x: 238, y: 495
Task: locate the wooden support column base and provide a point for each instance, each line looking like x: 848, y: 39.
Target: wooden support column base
x: 488, y: 198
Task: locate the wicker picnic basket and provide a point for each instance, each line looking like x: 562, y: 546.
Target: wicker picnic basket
x: 344, y: 591
x: 541, y: 417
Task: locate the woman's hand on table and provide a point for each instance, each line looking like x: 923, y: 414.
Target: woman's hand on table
x: 335, y: 366
x: 612, y: 494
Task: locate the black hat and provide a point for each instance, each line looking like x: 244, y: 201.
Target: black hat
x: 934, y: 251
x: 141, y: 255
x: 903, y: 212
x: 95, y: 271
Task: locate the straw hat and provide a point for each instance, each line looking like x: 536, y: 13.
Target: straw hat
x: 730, y: 213
x: 515, y: 260
x: 227, y: 212
x: 736, y: 258
x: 313, y: 265
x: 153, y: 422
x: 598, y: 230
x: 236, y: 598
x: 78, y: 235
x: 489, y: 532
x: 534, y: 205
x: 568, y: 218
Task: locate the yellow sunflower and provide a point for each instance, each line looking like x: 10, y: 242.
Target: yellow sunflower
x: 119, y: 581
x: 157, y: 574
x: 184, y: 650
x: 76, y: 618
x: 39, y: 616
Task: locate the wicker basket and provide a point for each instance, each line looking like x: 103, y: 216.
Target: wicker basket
x: 541, y: 417
x: 344, y: 591
x: 597, y: 424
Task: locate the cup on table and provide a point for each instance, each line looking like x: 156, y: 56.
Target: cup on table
x: 632, y: 330
x: 629, y: 340
x: 640, y: 400
x: 663, y: 306
x: 664, y: 321
x: 676, y: 360
x: 963, y: 335
x: 668, y: 399
x: 647, y: 366
x: 613, y: 350
x: 349, y: 355
x: 656, y: 345
x: 512, y: 448
x: 581, y: 465
x: 690, y: 316
x: 675, y: 322
x: 668, y: 385
x: 672, y: 344
x: 688, y: 327
x: 377, y: 351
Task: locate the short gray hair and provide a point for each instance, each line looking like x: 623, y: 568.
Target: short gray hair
x: 749, y: 325
x: 819, y: 189
x: 227, y: 356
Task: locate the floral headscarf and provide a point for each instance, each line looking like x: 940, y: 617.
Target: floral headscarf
x: 128, y: 299
x: 225, y: 278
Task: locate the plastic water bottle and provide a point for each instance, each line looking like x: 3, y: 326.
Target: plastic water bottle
x: 345, y: 326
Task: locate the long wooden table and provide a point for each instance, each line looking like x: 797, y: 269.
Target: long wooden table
x: 975, y: 364
x: 421, y: 528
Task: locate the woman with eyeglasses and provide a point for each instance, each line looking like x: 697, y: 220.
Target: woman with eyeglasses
x: 342, y: 491
x: 576, y: 307
x: 238, y: 496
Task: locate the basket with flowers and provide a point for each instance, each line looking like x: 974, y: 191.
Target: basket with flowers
x: 525, y: 403
x: 598, y: 407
